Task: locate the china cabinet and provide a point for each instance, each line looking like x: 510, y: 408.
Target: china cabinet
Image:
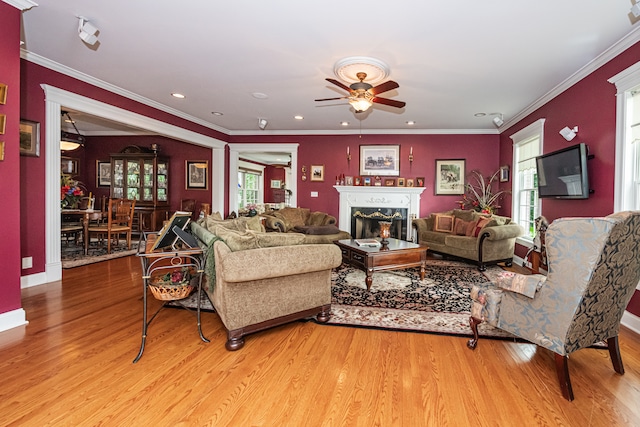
x: 143, y: 175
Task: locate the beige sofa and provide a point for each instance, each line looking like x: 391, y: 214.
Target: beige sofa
x: 318, y: 227
x: 484, y: 239
x: 258, y: 280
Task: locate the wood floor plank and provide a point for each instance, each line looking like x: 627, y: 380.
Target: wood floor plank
x: 72, y: 365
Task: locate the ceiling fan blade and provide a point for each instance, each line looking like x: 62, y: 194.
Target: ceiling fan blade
x: 384, y: 87
x: 332, y: 99
x: 390, y: 102
x: 337, y: 83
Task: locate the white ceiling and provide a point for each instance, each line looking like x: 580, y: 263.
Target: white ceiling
x: 452, y: 59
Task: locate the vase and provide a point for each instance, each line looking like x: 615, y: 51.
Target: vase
x: 253, y: 212
x: 385, y: 231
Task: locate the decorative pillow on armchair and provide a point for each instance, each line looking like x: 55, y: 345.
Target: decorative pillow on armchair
x: 524, y: 284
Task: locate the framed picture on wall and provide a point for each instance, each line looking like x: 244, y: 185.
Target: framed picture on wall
x: 504, y: 173
x: 29, y: 138
x: 380, y: 160
x: 317, y: 172
x: 68, y: 166
x: 103, y: 173
x: 3, y: 93
x: 197, y: 174
x: 450, y: 176
x: 275, y: 183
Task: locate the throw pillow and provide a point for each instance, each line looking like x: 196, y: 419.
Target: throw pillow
x: 243, y: 223
x: 295, y: 216
x: 443, y: 223
x: 317, y: 229
x: 460, y: 227
x: 249, y: 239
x: 317, y: 218
x: 479, y: 225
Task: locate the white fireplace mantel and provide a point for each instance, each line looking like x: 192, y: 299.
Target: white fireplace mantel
x: 377, y: 197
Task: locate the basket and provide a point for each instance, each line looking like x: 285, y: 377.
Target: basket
x: 170, y: 292
x: 163, y: 288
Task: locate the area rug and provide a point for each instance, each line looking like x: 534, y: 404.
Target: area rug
x: 399, y: 300
x: 73, y: 255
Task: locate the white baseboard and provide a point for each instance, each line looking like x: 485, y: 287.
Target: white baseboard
x: 13, y: 319
x: 631, y: 321
x: 33, y: 280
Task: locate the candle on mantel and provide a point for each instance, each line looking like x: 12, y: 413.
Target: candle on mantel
x: 411, y: 151
x: 347, y: 150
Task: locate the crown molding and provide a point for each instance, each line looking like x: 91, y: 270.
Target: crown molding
x: 616, y: 49
x: 369, y: 132
x: 63, y: 69
x: 21, y: 4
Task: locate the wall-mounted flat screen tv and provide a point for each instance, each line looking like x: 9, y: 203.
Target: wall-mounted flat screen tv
x: 563, y: 173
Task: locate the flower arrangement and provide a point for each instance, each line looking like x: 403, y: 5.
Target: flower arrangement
x: 70, y: 191
x: 479, y: 195
x: 176, y: 277
x: 251, y: 207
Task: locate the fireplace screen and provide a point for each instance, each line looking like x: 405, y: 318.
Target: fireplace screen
x: 364, y: 222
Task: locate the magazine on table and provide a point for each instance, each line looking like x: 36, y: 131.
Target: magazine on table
x: 372, y: 243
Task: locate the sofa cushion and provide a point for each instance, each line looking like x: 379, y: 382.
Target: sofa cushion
x: 250, y: 239
x: 317, y: 229
x: 243, y: 223
x: 443, y: 223
x: 464, y: 243
x: 479, y: 225
x: 317, y: 218
x: 460, y: 226
x: 294, y: 216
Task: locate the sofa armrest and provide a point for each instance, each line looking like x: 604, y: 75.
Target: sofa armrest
x: 421, y: 225
x: 501, y: 232
x: 274, y: 262
x: 271, y: 223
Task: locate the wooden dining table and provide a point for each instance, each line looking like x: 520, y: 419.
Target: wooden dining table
x: 85, y: 215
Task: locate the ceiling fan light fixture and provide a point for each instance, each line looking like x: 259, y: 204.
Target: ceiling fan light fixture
x: 360, y: 104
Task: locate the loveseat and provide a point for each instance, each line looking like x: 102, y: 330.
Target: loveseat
x: 257, y: 280
x: 470, y: 235
x: 318, y: 227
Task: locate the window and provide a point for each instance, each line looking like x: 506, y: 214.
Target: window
x: 248, y: 187
x: 627, y: 179
x: 527, y: 145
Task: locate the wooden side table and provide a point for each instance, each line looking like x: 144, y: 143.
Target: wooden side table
x: 161, y: 262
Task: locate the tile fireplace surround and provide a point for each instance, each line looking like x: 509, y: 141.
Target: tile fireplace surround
x: 378, y: 197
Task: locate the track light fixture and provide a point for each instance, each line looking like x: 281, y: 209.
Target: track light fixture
x: 498, y: 121
x: 635, y: 9
x: 262, y: 123
x: 568, y: 133
x: 87, y: 31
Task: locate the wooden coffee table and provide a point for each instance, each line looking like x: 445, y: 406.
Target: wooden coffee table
x: 398, y: 254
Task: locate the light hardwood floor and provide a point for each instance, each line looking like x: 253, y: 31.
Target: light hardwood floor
x: 72, y: 366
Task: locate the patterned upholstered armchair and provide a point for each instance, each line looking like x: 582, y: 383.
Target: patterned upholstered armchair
x: 594, y: 267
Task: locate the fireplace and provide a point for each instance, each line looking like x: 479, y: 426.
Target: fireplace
x: 361, y: 207
x: 364, y: 222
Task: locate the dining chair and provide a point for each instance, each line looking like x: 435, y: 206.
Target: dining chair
x: 188, y: 205
x: 119, y: 221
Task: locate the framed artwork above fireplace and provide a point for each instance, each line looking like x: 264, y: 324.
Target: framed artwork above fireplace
x: 380, y: 160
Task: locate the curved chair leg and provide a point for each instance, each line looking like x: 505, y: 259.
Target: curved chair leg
x: 234, y: 343
x: 473, y: 342
x: 324, y: 315
x: 614, y: 352
x: 562, y: 369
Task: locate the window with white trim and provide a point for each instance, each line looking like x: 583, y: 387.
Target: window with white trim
x: 526, y: 206
x: 248, y: 187
x: 627, y: 174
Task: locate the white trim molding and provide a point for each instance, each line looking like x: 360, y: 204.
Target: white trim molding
x: 21, y: 4
x: 54, y: 99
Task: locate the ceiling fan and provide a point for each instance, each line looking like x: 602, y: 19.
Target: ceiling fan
x: 362, y: 95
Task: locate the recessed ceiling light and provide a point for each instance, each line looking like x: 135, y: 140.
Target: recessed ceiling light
x: 259, y: 95
x: 217, y: 113
x: 480, y: 114
x: 298, y: 117
x: 411, y: 122
x: 178, y: 95
x: 344, y: 123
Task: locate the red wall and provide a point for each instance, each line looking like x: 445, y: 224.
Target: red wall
x: 589, y: 104
x: 10, y: 190
x: 480, y: 151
